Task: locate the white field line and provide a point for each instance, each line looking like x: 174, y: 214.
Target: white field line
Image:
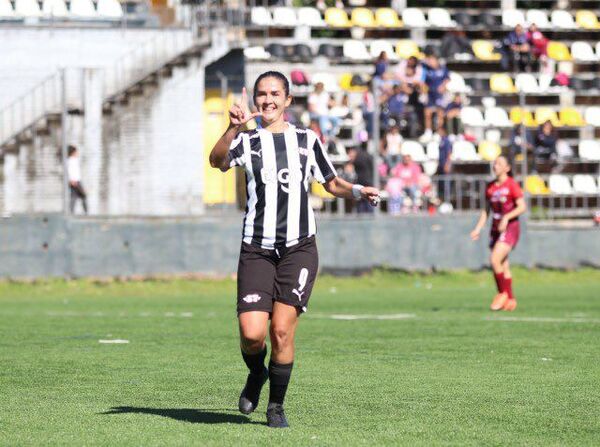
x: 544, y: 319
x: 350, y: 317
x: 116, y: 341
x: 120, y: 314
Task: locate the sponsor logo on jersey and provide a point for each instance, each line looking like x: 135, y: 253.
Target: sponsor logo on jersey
x: 303, y: 151
x: 252, y: 298
x: 283, y: 176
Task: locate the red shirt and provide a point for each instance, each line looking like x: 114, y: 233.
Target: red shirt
x: 502, y: 199
x: 409, y: 174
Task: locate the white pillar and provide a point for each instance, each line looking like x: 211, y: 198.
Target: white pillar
x: 91, y: 152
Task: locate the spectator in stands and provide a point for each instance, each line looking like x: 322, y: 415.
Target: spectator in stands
x: 544, y: 150
x: 538, y: 43
x: 393, y: 141
x: 454, y: 124
x: 341, y: 110
x: 436, y: 77
x: 319, y: 104
x: 516, y: 54
x: 409, y: 72
x: 410, y: 76
x: 455, y: 45
x: 368, y: 108
x: 394, y: 107
x: 381, y: 77
x: 444, y: 167
x: 363, y: 167
x: 516, y: 142
x: 409, y: 173
x: 74, y: 176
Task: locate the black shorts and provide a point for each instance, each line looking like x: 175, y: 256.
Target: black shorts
x: 286, y: 275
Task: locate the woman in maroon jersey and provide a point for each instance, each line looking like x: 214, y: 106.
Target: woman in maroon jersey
x: 505, y: 202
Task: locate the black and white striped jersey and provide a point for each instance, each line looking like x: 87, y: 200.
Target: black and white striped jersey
x: 278, y: 168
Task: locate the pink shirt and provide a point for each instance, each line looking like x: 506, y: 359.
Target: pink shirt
x: 409, y: 174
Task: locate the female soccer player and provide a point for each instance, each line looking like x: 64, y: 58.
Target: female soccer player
x: 505, y: 200
x: 278, y: 256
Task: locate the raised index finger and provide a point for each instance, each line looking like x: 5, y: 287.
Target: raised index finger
x: 244, y: 100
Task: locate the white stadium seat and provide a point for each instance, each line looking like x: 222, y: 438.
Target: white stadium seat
x: 256, y: 53
x: 328, y: 79
x: 377, y: 46
x: 583, y: 51
x: 6, y: 10
x: 283, y: 16
x: 497, y: 117
x: 539, y: 17
x: 457, y: 84
x: 310, y: 17
x: 464, y: 151
x: 54, y: 8
x: 589, y: 150
x: 512, y: 18
x: 562, y: 19
x: 83, y: 9
x: 526, y: 82
x: 472, y: 116
x: 27, y: 8
x: 356, y: 50
x: 414, y: 18
x: 110, y: 9
x: 584, y: 184
x: 441, y: 18
x: 261, y: 16
x: 415, y: 150
x: 559, y: 184
x: 433, y: 150
x: 592, y: 116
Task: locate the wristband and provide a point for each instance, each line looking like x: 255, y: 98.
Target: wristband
x: 356, y: 191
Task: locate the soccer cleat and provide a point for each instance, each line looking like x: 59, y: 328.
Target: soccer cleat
x: 499, y: 301
x: 276, y: 416
x: 251, y: 392
x: 510, y: 305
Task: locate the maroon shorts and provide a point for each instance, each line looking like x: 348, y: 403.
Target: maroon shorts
x: 510, y: 236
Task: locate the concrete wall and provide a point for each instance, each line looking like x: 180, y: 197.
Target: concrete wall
x: 41, y: 246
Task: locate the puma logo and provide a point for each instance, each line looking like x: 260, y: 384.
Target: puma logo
x: 257, y: 153
x: 298, y: 294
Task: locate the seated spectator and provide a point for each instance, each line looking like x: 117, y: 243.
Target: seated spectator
x: 363, y: 167
x: 393, y: 141
x: 381, y: 77
x: 394, y: 107
x: 454, y: 126
x: 404, y: 179
x: 341, y: 110
x: 436, y: 77
x: 319, y: 104
x: 455, y: 45
x: 368, y: 109
x: 538, y: 43
x: 409, y: 72
x: 516, y: 53
x: 516, y: 141
x: 544, y: 147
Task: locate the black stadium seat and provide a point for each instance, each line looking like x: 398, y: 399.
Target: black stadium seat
x: 331, y: 51
x: 579, y: 84
x: 303, y: 52
x: 463, y: 19
x: 488, y: 20
x: 277, y: 50
x: 478, y: 84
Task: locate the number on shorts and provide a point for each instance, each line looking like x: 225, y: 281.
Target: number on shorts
x: 302, y: 279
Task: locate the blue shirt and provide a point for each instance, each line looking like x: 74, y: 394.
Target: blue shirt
x: 396, y: 104
x: 515, y: 39
x: 435, y: 77
x: 445, y: 151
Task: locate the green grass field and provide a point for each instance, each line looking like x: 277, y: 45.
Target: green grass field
x: 436, y: 368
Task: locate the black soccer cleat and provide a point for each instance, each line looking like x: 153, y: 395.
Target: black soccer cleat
x: 251, y: 392
x: 276, y: 416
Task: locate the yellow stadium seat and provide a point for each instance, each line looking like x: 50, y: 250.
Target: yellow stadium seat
x: 535, y: 185
x: 363, y: 17
x: 558, y: 51
x: 319, y: 191
x: 520, y: 116
x: 387, y: 18
x: 543, y: 114
x: 407, y: 48
x: 488, y: 150
x: 485, y: 51
x: 587, y: 20
x: 502, y: 83
x: 346, y: 84
x: 337, y: 18
x: 570, y: 116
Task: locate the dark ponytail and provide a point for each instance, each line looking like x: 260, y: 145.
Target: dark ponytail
x: 272, y: 74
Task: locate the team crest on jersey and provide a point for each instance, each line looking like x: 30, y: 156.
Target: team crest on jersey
x: 252, y: 298
x: 303, y: 151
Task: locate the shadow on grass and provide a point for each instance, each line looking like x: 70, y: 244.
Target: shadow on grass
x: 196, y: 416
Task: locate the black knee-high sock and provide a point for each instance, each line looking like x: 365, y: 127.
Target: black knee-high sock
x: 279, y: 378
x: 255, y: 362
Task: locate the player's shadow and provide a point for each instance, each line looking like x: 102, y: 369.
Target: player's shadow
x: 193, y: 415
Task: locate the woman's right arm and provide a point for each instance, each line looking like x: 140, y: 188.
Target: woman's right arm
x: 239, y: 114
x: 480, y: 224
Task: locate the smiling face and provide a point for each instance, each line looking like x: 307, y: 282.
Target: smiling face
x: 271, y: 99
